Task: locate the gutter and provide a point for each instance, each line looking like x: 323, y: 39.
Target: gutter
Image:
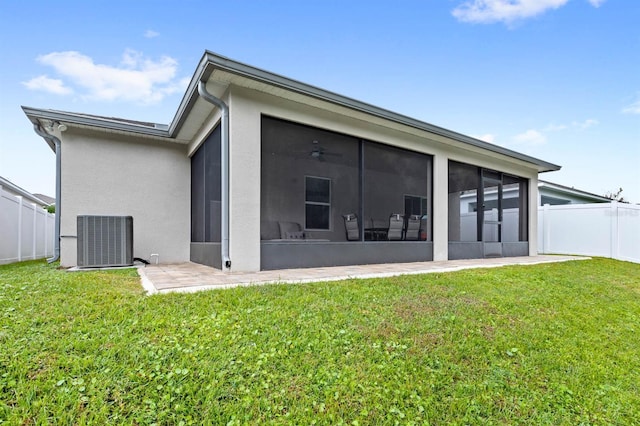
x: 56, y: 142
x: 148, y: 129
x: 224, y: 170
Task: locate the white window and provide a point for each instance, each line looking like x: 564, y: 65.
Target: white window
x: 317, y: 203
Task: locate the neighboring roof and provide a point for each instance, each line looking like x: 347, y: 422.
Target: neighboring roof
x: 555, y: 187
x: 10, y: 186
x: 211, y: 62
x: 49, y: 200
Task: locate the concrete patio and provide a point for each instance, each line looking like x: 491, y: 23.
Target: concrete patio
x: 192, y: 277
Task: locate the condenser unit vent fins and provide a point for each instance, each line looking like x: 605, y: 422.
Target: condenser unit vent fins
x: 105, y: 241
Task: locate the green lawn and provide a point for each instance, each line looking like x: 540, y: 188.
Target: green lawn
x: 547, y: 344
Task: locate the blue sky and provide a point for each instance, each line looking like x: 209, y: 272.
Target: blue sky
x: 556, y: 79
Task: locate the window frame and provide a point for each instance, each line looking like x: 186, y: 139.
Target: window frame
x: 424, y: 203
x: 317, y: 203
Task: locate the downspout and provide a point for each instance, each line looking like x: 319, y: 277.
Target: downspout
x: 224, y: 170
x: 56, y: 141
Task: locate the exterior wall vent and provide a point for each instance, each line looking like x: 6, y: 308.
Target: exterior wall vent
x: 105, y: 241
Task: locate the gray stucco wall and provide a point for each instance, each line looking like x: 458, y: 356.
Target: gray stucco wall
x: 112, y: 174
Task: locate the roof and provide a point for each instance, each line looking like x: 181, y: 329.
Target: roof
x: 47, y: 199
x: 112, y: 123
x: 573, y: 191
x: 10, y: 186
x: 212, y: 62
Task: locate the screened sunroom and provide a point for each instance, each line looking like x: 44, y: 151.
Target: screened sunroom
x: 332, y: 199
x: 487, y: 213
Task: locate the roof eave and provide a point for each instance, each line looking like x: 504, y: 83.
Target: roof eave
x: 36, y: 114
x: 577, y: 192
x: 211, y: 61
x: 202, y: 72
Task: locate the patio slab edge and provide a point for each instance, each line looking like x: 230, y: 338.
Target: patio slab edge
x: 251, y: 280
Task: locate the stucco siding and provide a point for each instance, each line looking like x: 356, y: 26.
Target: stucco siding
x: 244, y: 184
x: 110, y: 174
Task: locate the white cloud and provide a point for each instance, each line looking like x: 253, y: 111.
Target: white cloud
x: 530, y: 138
x: 555, y: 127
x: 136, y: 78
x: 634, y: 108
x: 507, y: 11
x: 596, y: 3
x: 580, y: 125
x: 47, y: 84
x: 489, y: 11
x: 151, y: 34
x: 583, y: 125
x: 487, y: 138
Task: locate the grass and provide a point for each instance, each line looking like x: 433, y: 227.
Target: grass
x: 546, y: 344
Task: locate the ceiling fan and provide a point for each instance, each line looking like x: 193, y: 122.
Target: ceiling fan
x: 318, y: 152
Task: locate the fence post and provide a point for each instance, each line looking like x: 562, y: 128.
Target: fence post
x: 35, y: 228
x: 19, y: 228
x: 46, y: 229
x: 613, y: 212
x: 546, y: 229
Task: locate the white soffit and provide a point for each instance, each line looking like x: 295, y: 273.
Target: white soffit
x: 200, y: 112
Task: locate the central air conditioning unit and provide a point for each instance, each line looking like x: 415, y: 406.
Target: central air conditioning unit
x: 105, y: 241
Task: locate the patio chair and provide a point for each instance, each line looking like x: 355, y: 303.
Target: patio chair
x: 412, y: 230
x: 351, y: 227
x: 396, y: 226
x: 369, y: 234
x: 290, y: 230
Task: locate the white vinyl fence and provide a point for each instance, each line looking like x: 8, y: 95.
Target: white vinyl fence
x: 510, y: 222
x: 606, y: 229
x: 26, y: 229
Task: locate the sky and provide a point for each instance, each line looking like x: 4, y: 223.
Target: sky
x: 555, y: 79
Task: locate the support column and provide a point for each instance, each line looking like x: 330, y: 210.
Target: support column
x: 244, y: 184
x: 440, y: 208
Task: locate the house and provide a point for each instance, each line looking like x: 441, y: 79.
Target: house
x: 504, y: 207
x: 555, y: 194
x: 47, y: 199
x: 549, y: 193
x: 258, y: 171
